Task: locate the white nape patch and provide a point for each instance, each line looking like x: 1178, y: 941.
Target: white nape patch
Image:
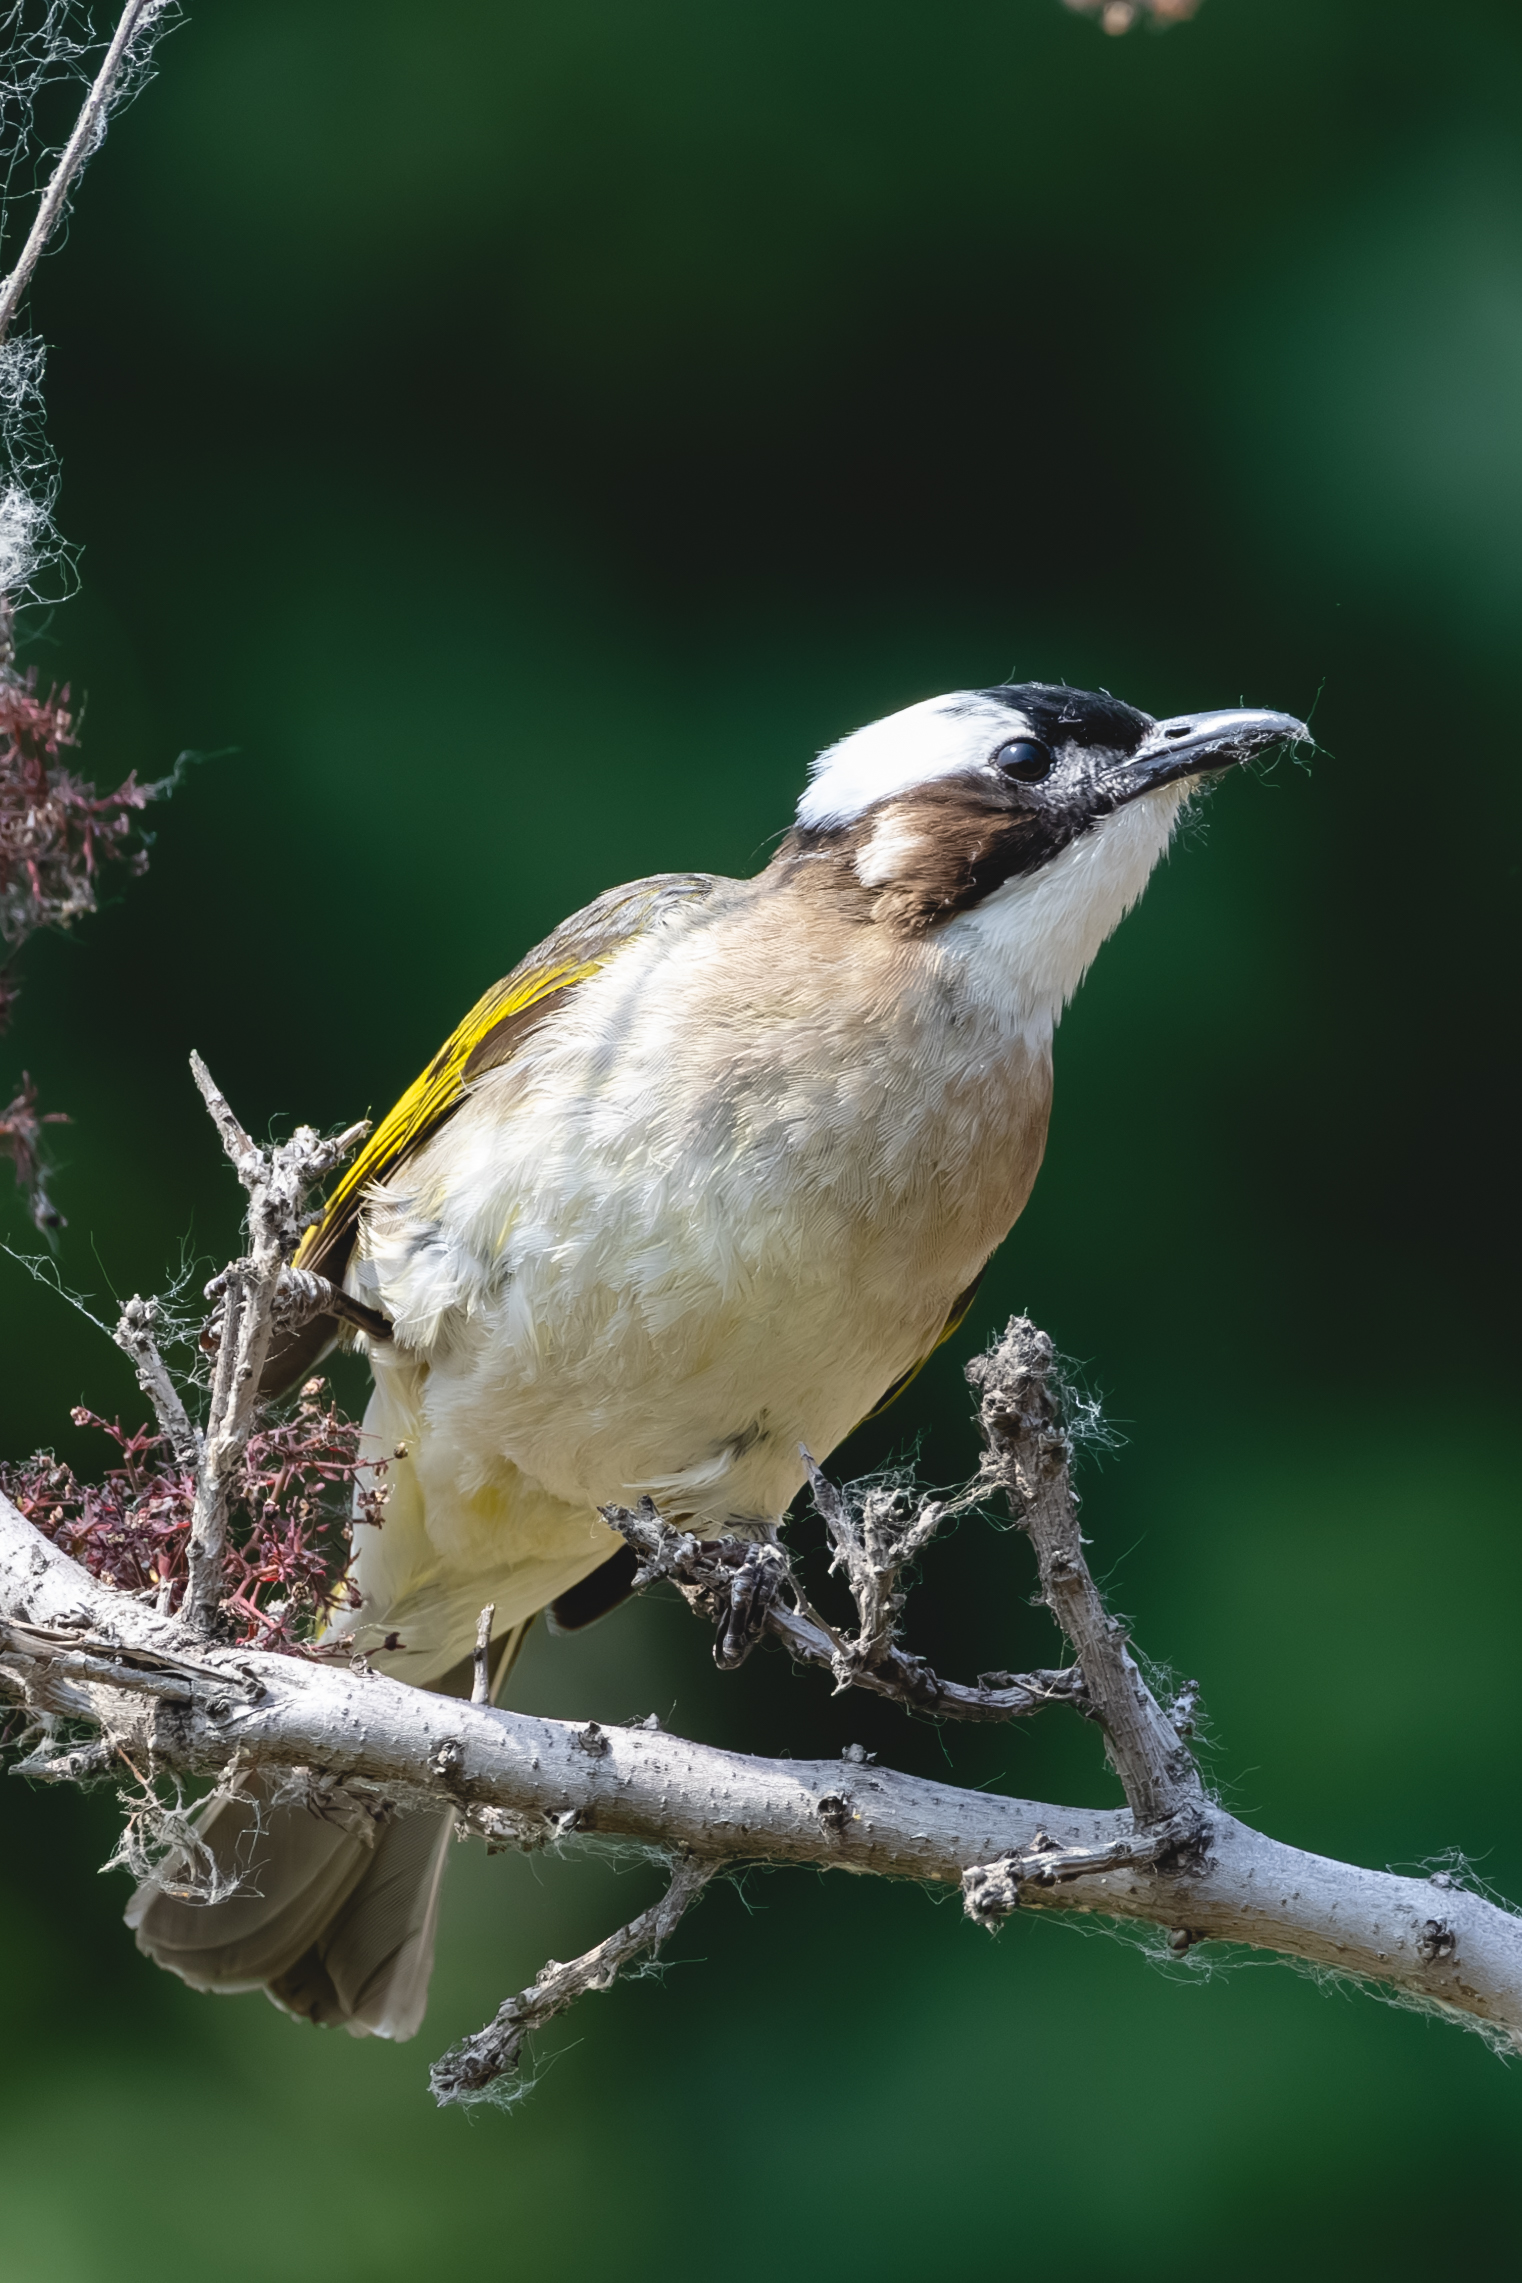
x: 890, y: 852
x: 1029, y: 945
x: 940, y: 737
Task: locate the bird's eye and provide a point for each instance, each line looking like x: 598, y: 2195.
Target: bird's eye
x: 1026, y: 758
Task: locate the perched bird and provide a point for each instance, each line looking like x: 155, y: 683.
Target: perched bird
x: 710, y: 1173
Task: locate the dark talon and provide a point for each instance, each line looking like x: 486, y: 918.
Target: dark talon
x: 752, y: 1590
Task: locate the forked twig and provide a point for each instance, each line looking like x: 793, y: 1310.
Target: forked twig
x: 277, y: 1181
x: 749, y: 1590
x: 872, y: 1551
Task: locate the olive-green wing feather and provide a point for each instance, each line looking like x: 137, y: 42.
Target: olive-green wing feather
x: 490, y: 1036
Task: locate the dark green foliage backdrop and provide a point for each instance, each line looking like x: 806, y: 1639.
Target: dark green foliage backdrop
x: 522, y: 434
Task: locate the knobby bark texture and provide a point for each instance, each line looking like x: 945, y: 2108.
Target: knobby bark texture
x: 153, y: 1692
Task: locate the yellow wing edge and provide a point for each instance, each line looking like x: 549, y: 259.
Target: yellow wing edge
x: 438, y: 1088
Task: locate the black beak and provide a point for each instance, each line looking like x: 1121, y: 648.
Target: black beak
x: 1191, y: 744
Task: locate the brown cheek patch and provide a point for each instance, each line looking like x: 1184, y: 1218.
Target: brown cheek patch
x: 959, y: 843
x: 959, y: 848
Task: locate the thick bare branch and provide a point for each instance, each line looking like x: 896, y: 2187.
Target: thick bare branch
x: 470, y: 2070
x: 516, y: 1775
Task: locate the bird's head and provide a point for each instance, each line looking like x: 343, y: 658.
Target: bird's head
x: 1025, y: 818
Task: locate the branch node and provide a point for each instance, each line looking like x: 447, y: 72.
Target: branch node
x: 448, y: 1761
x: 991, y: 1891
x: 1437, y: 1941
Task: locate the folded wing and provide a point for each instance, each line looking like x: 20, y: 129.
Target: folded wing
x: 491, y: 1034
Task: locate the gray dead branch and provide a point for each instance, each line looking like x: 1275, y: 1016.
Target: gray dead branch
x: 110, y: 1683
x: 136, y: 1335
x: 145, y: 1686
x: 249, y: 1293
x: 1028, y: 1456
x: 749, y: 1590
x: 470, y: 2070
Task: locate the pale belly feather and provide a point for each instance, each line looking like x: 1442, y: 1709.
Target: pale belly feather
x: 709, y: 1214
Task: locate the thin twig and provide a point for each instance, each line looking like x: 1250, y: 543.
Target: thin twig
x: 135, y: 1334
x: 277, y: 1181
x: 721, y: 1579
x: 991, y: 1891
x: 872, y: 1550
x: 469, y: 2070
x: 480, y: 1687
x: 1029, y: 1457
x: 88, y: 129
x: 240, y: 1146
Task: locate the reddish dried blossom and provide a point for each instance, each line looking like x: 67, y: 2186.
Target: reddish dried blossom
x: 21, y: 1124
x: 1120, y: 15
x: 56, y: 831
x: 56, y: 834
x: 291, y: 1523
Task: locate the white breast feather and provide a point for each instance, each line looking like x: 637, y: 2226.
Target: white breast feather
x: 1032, y: 941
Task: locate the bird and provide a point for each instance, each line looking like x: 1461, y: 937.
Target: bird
x: 696, y: 1188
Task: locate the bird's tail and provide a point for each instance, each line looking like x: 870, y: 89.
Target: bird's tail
x: 333, y: 1917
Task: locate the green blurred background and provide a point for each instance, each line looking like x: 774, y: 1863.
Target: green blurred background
x: 515, y: 437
